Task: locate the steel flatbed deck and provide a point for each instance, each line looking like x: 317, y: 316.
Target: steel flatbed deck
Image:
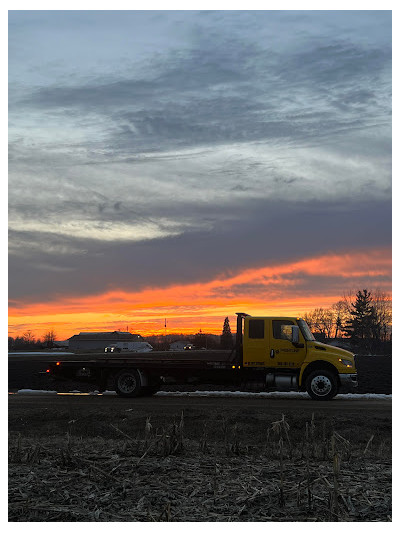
x: 192, y: 359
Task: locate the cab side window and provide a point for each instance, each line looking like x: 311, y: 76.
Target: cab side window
x: 256, y: 329
x: 278, y: 331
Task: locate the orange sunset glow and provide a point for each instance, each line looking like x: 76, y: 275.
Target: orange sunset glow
x: 288, y: 288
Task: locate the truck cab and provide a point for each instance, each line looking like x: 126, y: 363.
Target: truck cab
x: 294, y: 360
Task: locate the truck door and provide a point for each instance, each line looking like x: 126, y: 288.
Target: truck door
x: 283, y: 353
x: 255, y: 342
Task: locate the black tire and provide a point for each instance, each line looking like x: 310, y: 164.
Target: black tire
x: 322, y: 385
x: 128, y: 384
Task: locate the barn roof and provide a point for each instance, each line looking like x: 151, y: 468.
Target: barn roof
x: 106, y: 336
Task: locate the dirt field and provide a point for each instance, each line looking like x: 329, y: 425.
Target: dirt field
x: 104, y: 458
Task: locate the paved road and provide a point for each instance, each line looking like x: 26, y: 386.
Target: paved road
x: 160, y: 404
x: 56, y: 415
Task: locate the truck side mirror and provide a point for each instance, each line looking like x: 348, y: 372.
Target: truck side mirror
x: 296, y: 337
x: 295, y: 334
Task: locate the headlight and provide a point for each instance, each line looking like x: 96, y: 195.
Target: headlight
x: 347, y: 363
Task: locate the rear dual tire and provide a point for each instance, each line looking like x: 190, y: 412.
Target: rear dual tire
x: 128, y: 384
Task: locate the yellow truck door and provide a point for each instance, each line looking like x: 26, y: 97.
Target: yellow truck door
x: 282, y: 352
x: 255, y: 342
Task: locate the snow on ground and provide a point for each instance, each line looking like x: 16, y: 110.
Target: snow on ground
x: 225, y: 394
x: 56, y: 352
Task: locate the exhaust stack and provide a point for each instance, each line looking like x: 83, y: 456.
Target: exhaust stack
x: 239, y: 337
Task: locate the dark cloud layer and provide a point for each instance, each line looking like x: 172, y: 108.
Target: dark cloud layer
x: 271, y: 235
x: 225, y: 141
x: 230, y: 91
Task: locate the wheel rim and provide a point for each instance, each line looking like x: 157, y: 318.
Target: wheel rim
x: 321, y: 385
x: 127, y: 383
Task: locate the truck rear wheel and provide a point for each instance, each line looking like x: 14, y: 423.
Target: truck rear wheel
x: 128, y: 383
x: 322, y: 385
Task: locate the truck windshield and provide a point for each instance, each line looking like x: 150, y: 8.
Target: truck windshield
x: 305, y: 330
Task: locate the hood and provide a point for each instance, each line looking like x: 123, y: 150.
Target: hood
x: 329, y: 348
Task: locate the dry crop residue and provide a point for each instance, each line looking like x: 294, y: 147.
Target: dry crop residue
x: 190, y: 470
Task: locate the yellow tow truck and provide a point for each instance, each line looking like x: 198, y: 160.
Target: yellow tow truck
x: 271, y: 354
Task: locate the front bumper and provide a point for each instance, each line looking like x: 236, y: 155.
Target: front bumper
x: 348, y: 382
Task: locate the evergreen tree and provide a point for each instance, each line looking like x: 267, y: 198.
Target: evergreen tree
x: 360, y: 327
x: 226, y: 337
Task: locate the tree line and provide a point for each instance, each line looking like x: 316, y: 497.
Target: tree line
x: 362, y: 318
x: 28, y: 341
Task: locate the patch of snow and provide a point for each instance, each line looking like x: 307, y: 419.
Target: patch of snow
x: 224, y: 394
x: 41, y: 353
x: 275, y: 394
x: 34, y: 391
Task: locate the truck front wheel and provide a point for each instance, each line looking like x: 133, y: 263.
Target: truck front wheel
x: 322, y: 385
x: 128, y: 383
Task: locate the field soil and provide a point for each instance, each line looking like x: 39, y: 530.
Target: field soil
x: 103, y: 458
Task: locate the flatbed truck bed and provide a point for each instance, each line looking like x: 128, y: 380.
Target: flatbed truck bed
x: 192, y: 357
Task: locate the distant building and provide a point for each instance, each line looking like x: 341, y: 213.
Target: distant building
x: 61, y: 344
x: 99, y: 340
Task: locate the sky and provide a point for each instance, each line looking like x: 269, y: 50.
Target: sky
x: 187, y: 165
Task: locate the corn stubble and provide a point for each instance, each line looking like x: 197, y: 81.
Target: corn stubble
x: 163, y: 474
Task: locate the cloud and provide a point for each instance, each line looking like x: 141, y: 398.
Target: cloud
x: 236, y: 236
x: 267, y: 290
x: 160, y: 149
x: 229, y: 89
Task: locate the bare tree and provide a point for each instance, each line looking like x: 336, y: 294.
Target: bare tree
x: 49, y: 338
x: 382, y: 303
x: 320, y: 320
x: 340, y: 310
x: 310, y: 319
x: 28, y: 337
x: 327, y: 321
